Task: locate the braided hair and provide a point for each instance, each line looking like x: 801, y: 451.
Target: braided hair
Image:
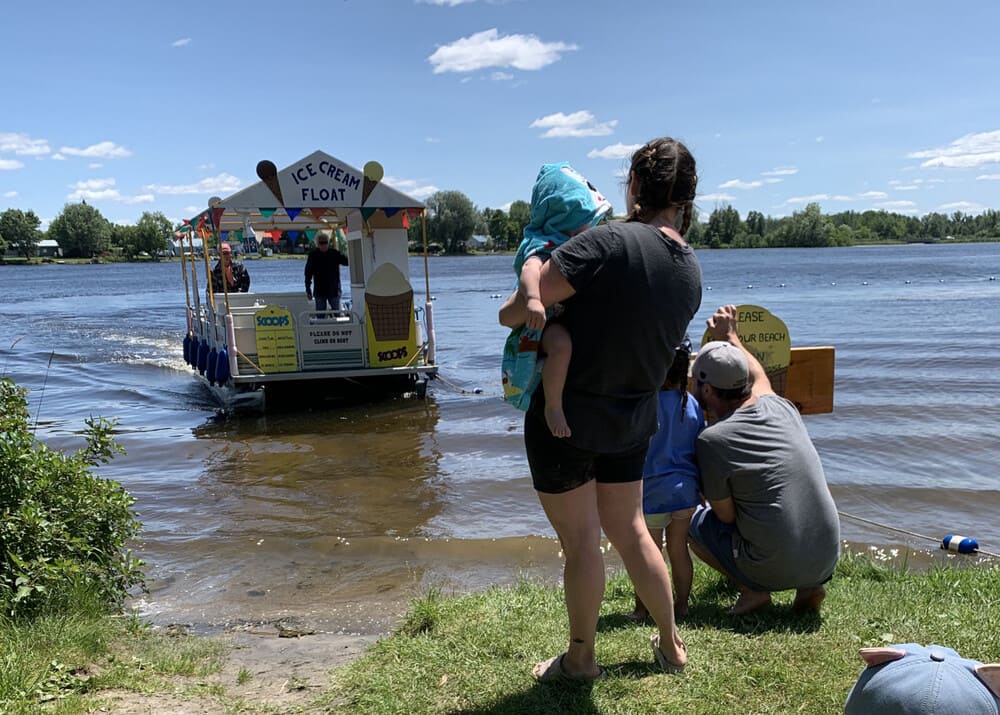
x: 666, y: 177
x: 677, y: 375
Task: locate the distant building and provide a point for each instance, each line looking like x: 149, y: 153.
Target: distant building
x: 478, y: 242
x: 49, y: 248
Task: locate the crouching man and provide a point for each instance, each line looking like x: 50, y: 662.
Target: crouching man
x: 771, y: 524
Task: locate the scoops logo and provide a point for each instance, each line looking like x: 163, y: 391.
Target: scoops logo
x: 388, y: 355
x: 272, y: 321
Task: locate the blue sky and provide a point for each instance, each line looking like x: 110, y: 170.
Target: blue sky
x: 137, y: 106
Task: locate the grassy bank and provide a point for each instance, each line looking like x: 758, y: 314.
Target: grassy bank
x: 473, y: 653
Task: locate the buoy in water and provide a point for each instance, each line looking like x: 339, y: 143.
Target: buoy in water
x: 959, y: 544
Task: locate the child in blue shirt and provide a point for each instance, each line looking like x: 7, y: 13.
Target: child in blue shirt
x: 670, y: 479
x: 563, y: 204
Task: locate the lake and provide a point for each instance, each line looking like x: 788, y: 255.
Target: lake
x: 342, y: 514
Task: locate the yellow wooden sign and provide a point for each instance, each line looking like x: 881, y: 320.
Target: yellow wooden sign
x: 275, y: 330
x: 766, y: 336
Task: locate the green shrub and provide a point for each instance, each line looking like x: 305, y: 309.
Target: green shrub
x: 64, y: 532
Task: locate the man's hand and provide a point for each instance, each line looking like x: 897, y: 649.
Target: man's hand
x: 536, y: 314
x: 309, y: 294
x: 722, y: 325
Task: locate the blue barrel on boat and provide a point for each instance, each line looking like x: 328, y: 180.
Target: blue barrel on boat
x: 202, y: 356
x: 222, y: 366
x: 960, y: 544
x: 187, y: 348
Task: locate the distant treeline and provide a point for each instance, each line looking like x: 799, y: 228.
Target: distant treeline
x: 455, y: 225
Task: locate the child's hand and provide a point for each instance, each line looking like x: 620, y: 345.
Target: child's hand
x: 536, y: 314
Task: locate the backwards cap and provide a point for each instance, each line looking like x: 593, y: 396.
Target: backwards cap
x: 722, y: 365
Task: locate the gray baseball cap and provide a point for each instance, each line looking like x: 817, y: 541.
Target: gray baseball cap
x: 722, y: 365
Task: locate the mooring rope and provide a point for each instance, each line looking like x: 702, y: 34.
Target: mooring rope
x: 907, y: 532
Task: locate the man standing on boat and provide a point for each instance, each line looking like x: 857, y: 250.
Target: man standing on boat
x: 772, y: 524
x: 323, y: 273
x: 237, y: 277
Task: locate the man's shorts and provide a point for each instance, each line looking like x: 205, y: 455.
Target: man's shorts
x: 557, y: 466
x: 718, y: 539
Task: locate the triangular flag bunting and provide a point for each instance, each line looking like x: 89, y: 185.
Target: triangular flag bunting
x: 267, y: 213
x: 292, y: 213
x: 239, y: 234
x: 224, y: 235
x: 293, y: 235
x: 366, y: 213
x: 406, y: 221
x: 310, y: 234
x: 317, y: 212
x: 413, y: 213
x: 217, y: 217
x: 390, y: 212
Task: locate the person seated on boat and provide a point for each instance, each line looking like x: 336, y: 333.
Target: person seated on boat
x: 771, y: 524
x: 323, y: 274
x: 237, y: 277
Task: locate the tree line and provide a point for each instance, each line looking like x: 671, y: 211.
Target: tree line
x: 452, y: 220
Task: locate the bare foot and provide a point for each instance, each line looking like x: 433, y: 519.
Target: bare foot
x: 639, y: 615
x: 556, y: 420
x: 671, y: 660
x: 809, y: 599
x: 750, y: 601
x: 680, y: 609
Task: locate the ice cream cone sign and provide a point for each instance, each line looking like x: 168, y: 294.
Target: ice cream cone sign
x: 766, y: 336
x: 268, y: 173
x: 373, y: 174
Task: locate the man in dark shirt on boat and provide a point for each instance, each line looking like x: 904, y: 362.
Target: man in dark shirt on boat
x: 323, y: 273
x: 772, y: 524
x: 237, y: 278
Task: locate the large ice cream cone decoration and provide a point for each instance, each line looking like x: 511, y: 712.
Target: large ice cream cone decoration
x: 268, y: 173
x: 373, y: 175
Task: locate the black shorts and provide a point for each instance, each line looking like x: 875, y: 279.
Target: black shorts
x: 557, y: 466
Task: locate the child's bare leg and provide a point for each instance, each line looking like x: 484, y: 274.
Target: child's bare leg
x: 681, y: 567
x: 558, y: 347
x: 641, y: 613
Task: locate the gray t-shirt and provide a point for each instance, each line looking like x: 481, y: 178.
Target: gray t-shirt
x: 636, y: 292
x: 788, y: 531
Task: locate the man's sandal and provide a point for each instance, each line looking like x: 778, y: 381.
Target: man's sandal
x: 661, y: 660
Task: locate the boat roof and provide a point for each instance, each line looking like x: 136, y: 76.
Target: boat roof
x: 317, y: 191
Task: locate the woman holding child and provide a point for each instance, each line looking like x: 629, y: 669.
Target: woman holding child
x: 628, y: 290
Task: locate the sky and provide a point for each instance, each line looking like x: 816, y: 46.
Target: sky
x: 855, y: 105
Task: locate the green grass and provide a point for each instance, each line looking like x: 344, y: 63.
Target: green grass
x: 56, y: 662
x: 474, y: 653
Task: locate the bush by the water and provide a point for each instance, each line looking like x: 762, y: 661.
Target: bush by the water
x: 64, y: 532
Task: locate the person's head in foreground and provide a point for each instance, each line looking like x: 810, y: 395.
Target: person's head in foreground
x: 722, y: 377
x: 662, y: 175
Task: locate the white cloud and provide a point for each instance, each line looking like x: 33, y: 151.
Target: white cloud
x: 967, y: 151
x: 101, y: 150
x: 842, y: 197
x: 961, y: 206
x: 807, y: 199
x: 613, y: 151
x: 715, y: 197
x: 23, y: 145
x: 9, y: 194
x: 432, y: 140
x: 489, y: 49
x: 411, y: 187
x: 103, y: 190
x: 58, y: 157
x: 577, y: 124
x: 205, y: 167
x: 773, y: 180
x: 221, y: 184
x: 95, y: 165
x: 906, y: 187
x: 181, y: 42
x: 820, y: 139
x: 781, y: 171
x: 873, y: 195
x: 739, y: 184
x: 10, y: 164
x: 896, y: 204
x: 988, y: 177
x: 501, y: 76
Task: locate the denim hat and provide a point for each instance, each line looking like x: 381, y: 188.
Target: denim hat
x: 911, y: 679
x: 722, y: 365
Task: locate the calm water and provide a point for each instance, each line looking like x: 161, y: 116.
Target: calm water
x: 343, y: 514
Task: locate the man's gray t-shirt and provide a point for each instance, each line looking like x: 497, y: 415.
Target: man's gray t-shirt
x: 636, y: 292
x: 787, y: 528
